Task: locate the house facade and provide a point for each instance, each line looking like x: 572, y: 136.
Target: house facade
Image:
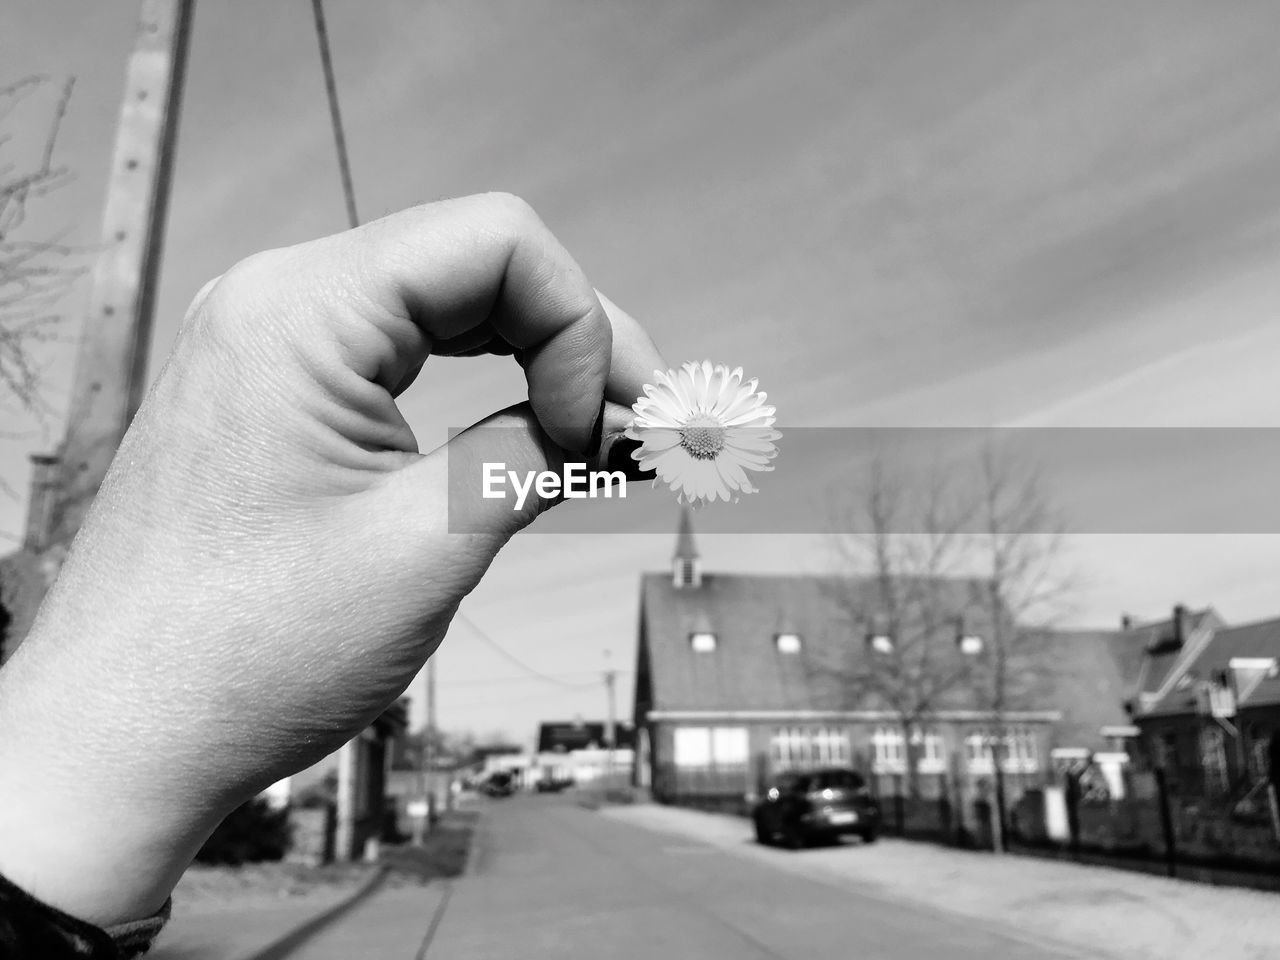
x: 1211, y: 720
x: 741, y: 677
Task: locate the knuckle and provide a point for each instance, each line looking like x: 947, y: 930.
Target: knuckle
x: 514, y: 209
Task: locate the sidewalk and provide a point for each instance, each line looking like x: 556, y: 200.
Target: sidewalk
x: 1113, y: 912
x: 392, y: 924
x: 239, y: 930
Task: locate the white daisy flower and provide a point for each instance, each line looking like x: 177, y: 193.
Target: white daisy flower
x: 701, y: 429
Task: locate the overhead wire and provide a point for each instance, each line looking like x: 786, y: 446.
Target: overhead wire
x: 335, y: 115
x: 349, y: 196
x: 512, y: 658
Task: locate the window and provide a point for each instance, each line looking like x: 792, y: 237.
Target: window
x: 890, y: 752
x: 794, y: 748
x: 729, y: 746
x: 1018, y: 750
x: 711, y: 746
x: 1259, y: 742
x: 880, y: 643
x: 931, y: 756
x: 977, y: 752
x: 790, y: 749
x: 831, y: 746
x: 702, y: 642
x: 693, y: 746
x: 787, y: 642
x: 1021, y: 753
x: 970, y: 644
x: 1213, y: 756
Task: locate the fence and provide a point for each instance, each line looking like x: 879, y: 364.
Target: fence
x: 1232, y: 837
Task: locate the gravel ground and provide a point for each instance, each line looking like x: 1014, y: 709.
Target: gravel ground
x: 205, y: 889
x: 1113, y: 912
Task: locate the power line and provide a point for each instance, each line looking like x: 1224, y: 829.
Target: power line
x: 499, y: 681
x: 335, y: 116
x: 512, y: 658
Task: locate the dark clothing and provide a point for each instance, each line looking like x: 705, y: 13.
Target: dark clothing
x: 32, y: 930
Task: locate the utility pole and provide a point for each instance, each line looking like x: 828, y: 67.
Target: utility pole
x: 110, y: 370
x: 611, y: 728
x: 111, y: 362
x: 429, y: 746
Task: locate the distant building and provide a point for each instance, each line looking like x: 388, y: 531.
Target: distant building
x: 365, y: 809
x: 1207, y: 704
x: 579, y: 752
x: 27, y: 573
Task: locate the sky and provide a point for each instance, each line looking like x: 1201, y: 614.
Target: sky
x: 891, y: 213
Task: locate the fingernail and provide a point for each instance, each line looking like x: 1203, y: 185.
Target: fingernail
x: 597, y: 433
x: 620, y: 450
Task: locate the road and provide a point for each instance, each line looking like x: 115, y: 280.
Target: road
x: 549, y: 879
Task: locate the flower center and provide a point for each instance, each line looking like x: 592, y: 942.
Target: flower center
x: 702, y: 438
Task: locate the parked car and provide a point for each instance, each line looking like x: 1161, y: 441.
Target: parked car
x: 500, y: 783
x: 552, y: 785
x: 819, y: 805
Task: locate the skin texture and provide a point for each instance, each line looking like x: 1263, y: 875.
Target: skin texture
x: 271, y: 559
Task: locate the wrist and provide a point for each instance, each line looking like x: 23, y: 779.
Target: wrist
x: 82, y: 826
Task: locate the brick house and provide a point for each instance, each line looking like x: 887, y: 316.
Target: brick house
x: 734, y: 684
x: 1211, y: 719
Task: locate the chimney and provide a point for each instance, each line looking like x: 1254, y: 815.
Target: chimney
x: 44, y: 482
x: 1181, y: 624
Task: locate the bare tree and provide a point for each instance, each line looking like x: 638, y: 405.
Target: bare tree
x: 1017, y: 555
x: 35, y: 274
x: 911, y: 549
x: 960, y: 553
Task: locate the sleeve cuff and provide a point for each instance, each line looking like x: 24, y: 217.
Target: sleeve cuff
x: 31, y: 928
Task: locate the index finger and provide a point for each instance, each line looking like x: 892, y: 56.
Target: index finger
x: 444, y: 268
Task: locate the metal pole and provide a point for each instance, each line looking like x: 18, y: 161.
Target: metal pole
x: 611, y: 728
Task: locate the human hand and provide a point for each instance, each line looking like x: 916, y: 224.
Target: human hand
x: 270, y: 560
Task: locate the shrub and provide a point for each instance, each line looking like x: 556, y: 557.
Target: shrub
x: 251, y: 833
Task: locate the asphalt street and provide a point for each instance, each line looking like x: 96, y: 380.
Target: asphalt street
x: 549, y: 879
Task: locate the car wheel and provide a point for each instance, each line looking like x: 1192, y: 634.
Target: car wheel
x: 794, y: 837
x: 869, y: 836
x: 763, y: 836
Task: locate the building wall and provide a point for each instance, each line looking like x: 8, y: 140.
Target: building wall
x: 711, y: 764
x: 1200, y: 756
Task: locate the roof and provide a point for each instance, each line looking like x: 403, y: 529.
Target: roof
x: 1261, y: 639
x: 1082, y: 677
x: 747, y: 671
x: 1150, y: 657
x: 577, y: 735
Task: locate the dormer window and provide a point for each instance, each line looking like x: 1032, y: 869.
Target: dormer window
x: 787, y: 642
x: 970, y: 644
x: 702, y: 642
x: 880, y: 643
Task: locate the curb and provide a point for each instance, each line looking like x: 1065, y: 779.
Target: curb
x: 284, y: 945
